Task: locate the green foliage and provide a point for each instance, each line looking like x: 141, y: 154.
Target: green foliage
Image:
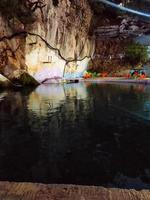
x: 26, y: 79
x: 136, y: 53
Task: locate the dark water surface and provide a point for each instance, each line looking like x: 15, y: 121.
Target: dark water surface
x: 90, y: 134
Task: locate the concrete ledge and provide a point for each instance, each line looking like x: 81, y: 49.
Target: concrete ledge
x: 31, y: 191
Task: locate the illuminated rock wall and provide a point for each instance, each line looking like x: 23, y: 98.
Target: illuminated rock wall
x: 60, y: 46
x: 56, y: 44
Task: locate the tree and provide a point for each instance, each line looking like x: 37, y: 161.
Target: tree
x: 136, y: 53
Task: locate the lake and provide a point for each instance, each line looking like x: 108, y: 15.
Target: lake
x: 83, y: 133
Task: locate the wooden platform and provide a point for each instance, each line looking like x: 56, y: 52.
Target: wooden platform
x: 29, y: 191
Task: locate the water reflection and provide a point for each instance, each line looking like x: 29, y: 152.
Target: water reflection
x: 2, y: 95
x: 48, y: 98
x: 76, y: 133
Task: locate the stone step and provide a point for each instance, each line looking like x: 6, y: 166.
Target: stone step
x: 35, y: 191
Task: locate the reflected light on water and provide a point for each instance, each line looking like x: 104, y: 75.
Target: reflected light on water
x: 47, y: 97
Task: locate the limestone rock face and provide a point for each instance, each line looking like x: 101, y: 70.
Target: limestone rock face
x: 12, y: 57
x: 56, y: 44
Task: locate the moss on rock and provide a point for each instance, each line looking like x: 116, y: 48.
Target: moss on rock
x: 25, y: 79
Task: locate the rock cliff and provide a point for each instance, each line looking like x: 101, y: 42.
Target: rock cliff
x: 52, y: 40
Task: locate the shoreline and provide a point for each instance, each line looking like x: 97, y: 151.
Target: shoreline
x: 146, y: 81
x: 117, y: 80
